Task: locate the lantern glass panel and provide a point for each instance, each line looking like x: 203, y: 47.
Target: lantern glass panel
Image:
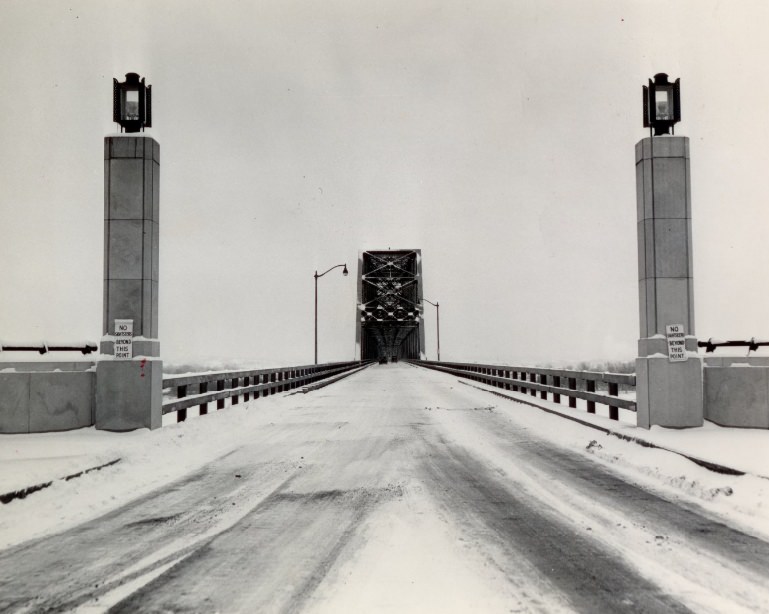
x: 663, y: 104
x: 131, y: 104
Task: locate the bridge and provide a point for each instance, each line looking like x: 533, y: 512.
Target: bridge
x: 122, y: 389
x: 387, y: 482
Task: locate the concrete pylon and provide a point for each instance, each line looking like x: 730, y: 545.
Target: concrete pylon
x: 129, y: 386
x: 668, y: 370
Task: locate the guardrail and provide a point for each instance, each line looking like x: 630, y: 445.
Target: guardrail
x: 203, y: 388
x: 710, y: 345
x: 532, y: 380
x: 44, y: 348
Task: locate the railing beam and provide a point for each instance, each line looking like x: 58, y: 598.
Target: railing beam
x: 265, y: 381
x: 525, y: 380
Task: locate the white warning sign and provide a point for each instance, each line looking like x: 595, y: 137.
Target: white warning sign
x: 676, y: 336
x: 124, y: 339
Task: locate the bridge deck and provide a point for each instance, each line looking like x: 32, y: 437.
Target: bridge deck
x: 396, y: 490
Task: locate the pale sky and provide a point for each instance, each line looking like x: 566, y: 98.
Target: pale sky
x: 496, y: 136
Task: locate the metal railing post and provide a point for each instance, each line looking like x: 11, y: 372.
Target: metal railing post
x: 613, y: 410
x: 220, y: 387
x: 202, y: 388
x: 533, y: 380
x: 234, y: 399
x: 181, y: 392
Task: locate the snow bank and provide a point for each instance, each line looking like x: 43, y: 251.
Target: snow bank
x: 148, y: 459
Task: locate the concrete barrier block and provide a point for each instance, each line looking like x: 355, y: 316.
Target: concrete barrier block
x: 34, y: 366
x: 60, y: 401
x: 669, y: 394
x: 14, y: 402
x: 737, y: 395
x: 734, y: 361
x: 129, y: 394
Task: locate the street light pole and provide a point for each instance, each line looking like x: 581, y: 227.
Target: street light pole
x: 344, y: 272
x: 438, y: 324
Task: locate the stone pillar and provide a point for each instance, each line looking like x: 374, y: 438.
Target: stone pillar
x: 129, y: 392
x: 132, y: 180
x: 669, y: 393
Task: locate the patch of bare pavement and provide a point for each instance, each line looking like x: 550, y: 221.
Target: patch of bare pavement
x: 394, y: 490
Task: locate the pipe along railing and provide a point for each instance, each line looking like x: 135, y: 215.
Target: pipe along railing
x: 203, y: 388
x: 558, y: 382
x: 44, y: 348
x: 752, y: 345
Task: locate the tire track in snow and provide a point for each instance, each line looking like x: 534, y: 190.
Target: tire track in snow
x: 63, y: 571
x: 586, y: 575
x: 272, y: 560
x: 673, y: 542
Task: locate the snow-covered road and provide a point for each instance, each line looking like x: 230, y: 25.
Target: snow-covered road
x: 397, y: 490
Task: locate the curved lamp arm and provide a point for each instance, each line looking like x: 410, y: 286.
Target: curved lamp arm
x: 344, y: 272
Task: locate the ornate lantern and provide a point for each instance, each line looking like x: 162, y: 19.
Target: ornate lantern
x: 662, y: 104
x: 132, y: 103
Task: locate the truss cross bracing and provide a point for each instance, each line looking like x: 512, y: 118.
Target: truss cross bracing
x: 389, y: 312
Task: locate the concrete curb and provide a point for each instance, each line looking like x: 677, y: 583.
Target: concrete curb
x: 717, y: 468
x: 22, y: 493
x: 326, y: 382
